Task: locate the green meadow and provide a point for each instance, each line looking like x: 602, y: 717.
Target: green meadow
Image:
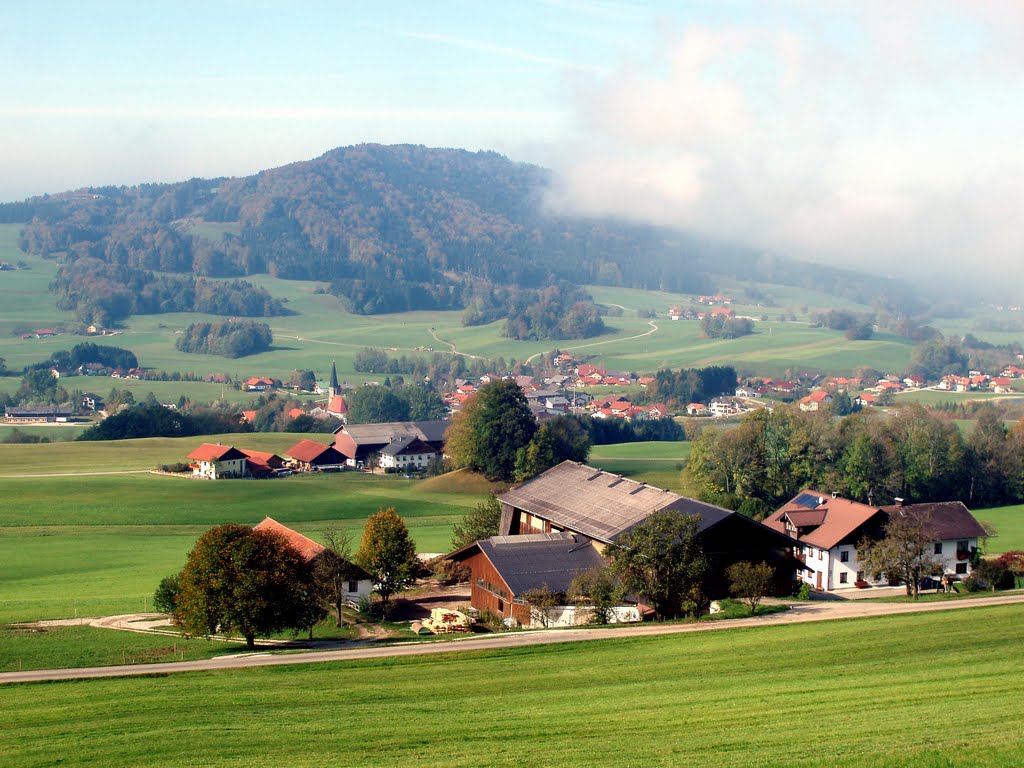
x: 98, y: 544
x: 936, y: 692
x: 1009, y: 527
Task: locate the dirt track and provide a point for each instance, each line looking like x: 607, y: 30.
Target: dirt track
x: 799, y: 612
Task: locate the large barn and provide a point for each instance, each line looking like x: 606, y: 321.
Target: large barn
x: 559, y: 523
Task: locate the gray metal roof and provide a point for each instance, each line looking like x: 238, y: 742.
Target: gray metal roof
x: 947, y: 519
x: 534, y: 560
x: 372, y: 434
x: 600, y: 504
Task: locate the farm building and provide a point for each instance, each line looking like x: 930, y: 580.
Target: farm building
x: 358, y: 442
x: 311, y: 456
x: 408, y: 452
x: 216, y: 462
x: 505, y: 568
x: 359, y: 583
x: 36, y: 414
x: 262, y: 464
x: 828, y: 529
x: 559, y: 523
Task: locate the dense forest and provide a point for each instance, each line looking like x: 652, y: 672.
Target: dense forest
x: 391, y: 228
x: 230, y: 338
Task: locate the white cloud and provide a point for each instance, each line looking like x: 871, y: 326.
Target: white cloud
x: 884, y: 141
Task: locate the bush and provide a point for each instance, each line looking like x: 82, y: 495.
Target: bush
x: 804, y: 593
x: 991, y: 574
x: 166, y: 594
x: 179, y: 467
x: 450, y: 572
x: 491, y: 620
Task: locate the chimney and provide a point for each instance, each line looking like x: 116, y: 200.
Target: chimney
x: 821, y: 500
x: 900, y: 502
x: 835, y: 494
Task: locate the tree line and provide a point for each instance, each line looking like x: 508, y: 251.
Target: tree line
x: 689, y: 385
x: 914, y: 454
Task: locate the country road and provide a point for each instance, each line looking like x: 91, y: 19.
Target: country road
x: 798, y: 613
x: 654, y: 327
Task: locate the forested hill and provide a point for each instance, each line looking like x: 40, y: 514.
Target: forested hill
x: 394, y: 228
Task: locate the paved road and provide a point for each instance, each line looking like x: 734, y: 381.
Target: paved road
x: 800, y: 612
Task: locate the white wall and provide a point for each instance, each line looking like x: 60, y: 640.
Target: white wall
x: 572, y: 615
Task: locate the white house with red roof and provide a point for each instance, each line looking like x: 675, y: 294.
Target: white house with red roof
x: 216, y: 461
x: 815, y: 400
x: 1013, y: 372
x: 337, y: 407
x: 258, y: 384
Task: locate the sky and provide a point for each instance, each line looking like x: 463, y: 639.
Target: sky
x: 868, y: 134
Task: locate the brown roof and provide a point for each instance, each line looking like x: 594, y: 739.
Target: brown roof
x: 302, y: 544
x: 840, y: 518
x: 337, y: 405
x: 212, y: 452
x: 309, y: 450
x: 950, y: 519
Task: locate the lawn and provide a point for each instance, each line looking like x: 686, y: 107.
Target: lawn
x: 1009, y: 527
x: 735, y: 698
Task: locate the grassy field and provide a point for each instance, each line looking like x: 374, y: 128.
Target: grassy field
x: 1009, y: 526
x: 712, y: 699
x: 654, y: 463
x: 97, y: 545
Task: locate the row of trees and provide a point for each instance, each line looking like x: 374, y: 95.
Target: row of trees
x: 914, y: 454
x: 229, y: 338
x: 254, y: 583
x: 689, y: 385
x: 722, y: 327
x: 378, y: 404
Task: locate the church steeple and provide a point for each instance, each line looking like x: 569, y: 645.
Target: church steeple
x: 335, y: 388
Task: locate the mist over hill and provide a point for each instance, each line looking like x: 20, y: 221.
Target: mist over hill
x: 391, y: 228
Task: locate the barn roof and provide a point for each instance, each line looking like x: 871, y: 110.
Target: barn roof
x: 538, y: 559
x: 600, y: 504
x: 381, y: 434
x: 949, y: 519
x: 308, y: 450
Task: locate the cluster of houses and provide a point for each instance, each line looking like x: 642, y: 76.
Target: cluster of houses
x: 214, y: 461
x: 559, y: 524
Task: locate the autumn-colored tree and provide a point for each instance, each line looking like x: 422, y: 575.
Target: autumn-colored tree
x: 241, y: 580
x: 387, y: 553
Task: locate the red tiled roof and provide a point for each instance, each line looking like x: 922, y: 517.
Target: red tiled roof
x: 307, y: 450
x: 337, y: 405
x: 295, y: 413
x: 841, y: 517
x: 212, y: 452
x: 302, y: 544
x: 248, y: 416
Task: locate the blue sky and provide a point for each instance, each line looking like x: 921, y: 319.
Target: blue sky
x: 851, y: 131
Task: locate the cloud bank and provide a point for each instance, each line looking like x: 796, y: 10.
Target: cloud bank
x: 870, y: 135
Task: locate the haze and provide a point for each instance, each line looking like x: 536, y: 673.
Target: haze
x: 868, y: 134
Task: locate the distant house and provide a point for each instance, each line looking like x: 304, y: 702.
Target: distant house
x: 248, y: 416
x: 358, y: 442
x: 747, y: 392
x: 1002, y: 385
x: 657, y: 411
x: 359, y: 583
x: 815, y: 400
x: 1013, y: 372
x: 216, y: 462
x: 408, y: 453
x: 865, y: 398
x: 311, y: 456
x: 91, y: 401
x: 913, y: 381
x: 258, y: 384
x: 697, y: 409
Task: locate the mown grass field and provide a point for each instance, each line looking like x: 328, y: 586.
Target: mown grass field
x: 655, y: 463
x: 935, y: 692
x: 1009, y: 527
x: 98, y: 545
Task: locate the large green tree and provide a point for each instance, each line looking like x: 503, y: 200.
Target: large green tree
x: 387, y: 553
x: 241, y: 580
x: 488, y: 432
x: 376, y: 405
x: 662, y: 560
x: 905, y: 553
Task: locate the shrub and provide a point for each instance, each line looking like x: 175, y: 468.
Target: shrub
x: 804, y: 592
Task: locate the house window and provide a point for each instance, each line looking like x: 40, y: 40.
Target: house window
x: 842, y: 577
x: 938, y: 547
x: 353, y: 586
x: 844, y: 557
x: 860, y: 575
x: 961, y: 568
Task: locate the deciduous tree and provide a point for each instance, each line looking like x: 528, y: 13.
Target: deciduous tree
x: 488, y: 432
x: 750, y: 582
x: 904, y: 553
x: 246, y: 581
x: 662, y: 560
x: 333, y: 569
x: 387, y: 553
x: 480, y: 522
